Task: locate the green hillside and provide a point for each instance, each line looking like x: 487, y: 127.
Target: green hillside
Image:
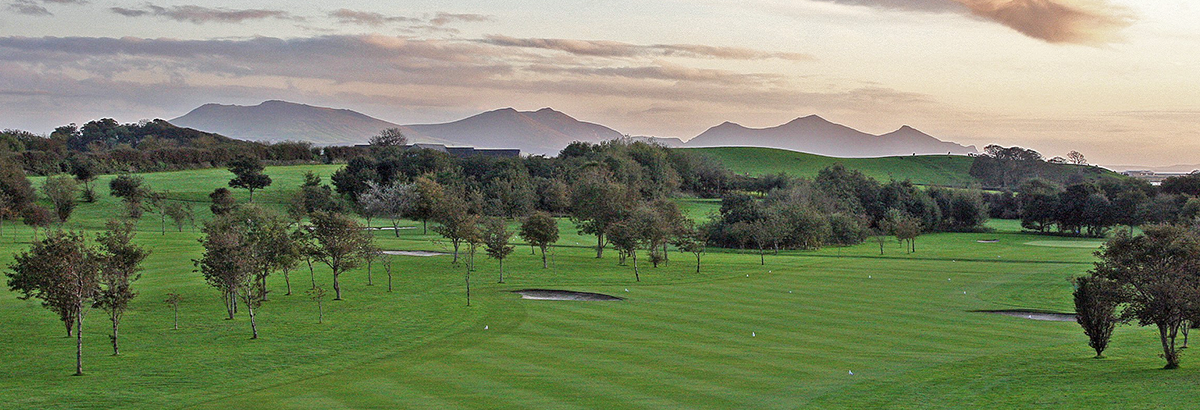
x: 835, y: 328
x: 945, y: 170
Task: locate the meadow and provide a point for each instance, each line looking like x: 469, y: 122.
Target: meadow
x: 835, y: 328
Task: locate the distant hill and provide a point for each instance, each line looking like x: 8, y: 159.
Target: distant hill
x: 280, y: 120
x: 544, y: 131
x: 813, y: 134
x: 943, y: 170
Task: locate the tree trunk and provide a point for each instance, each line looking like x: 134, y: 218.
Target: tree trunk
x: 320, y: 312
x: 468, y: 278
x: 230, y: 301
x: 544, y: 265
x: 79, y: 341
x: 396, y: 227
x: 697, y: 263
x: 425, y: 227
x: 116, y: 320
x: 337, y: 287
x: 666, y: 257
x: 250, y: 310
x: 176, y: 317
x: 1167, y: 336
x: 455, y: 242
x: 311, y: 273
x: 369, y: 281
x: 70, y: 324
x: 287, y: 280
x: 599, y: 245
x: 1185, y: 330
x: 636, y: 277
x: 501, y: 270
x: 388, y: 268
x: 251, y: 195
x: 762, y: 256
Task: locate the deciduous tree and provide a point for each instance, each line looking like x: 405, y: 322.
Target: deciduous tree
x: 1096, y: 302
x: 1159, y: 271
x: 340, y: 243
x: 496, y: 236
x: 62, y: 271
x: 540, y: 230
x: 61, y: 191
x: 119, y: 261
x: 248, y: 174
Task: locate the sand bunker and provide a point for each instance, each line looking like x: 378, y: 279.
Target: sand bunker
x: 548, y: 294
x: 1043, y: 316
x: 1067, y: 244
x: 414, y: 253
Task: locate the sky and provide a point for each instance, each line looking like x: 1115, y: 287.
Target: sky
x: 1114, y: 79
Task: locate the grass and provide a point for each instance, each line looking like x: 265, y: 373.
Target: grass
x: 737, y: 335
x: 942, y: 170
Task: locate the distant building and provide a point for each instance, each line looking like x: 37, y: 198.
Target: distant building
x: 1154, y: 178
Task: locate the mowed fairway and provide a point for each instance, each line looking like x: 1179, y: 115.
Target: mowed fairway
x: 737, y: 335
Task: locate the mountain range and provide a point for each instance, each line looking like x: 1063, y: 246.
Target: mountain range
x: 544, y: 131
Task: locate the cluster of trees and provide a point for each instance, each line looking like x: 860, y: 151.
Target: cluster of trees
x: 617, y: 191
x: 1151, y: 279
x: 107, y: 146
x: 70, y: 275
x: 1008, y: 167
x: 841, y: 207
x: 515, y: 187
x: 1093, y: 208
x: 245, y: 244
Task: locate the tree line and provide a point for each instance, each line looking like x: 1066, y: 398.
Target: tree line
x: 106, y: 146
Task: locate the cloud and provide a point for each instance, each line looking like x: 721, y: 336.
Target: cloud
x: 1053, y: 21
x: 28, y: 8
x: 347, y: 16
x: 201, y: 14
x: 1056, y: 21
x: 602, y: 48
x: 441, y: 19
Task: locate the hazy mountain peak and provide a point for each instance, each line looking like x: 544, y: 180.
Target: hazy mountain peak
x: 817, y: 135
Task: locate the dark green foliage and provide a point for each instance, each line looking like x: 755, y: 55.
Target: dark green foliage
x: 1183, y: 184
x: 340, y: 243
x: 61, y: 191
x: 14, y: 183
x: 247, y: 174
x: 1159, y: 274
x: 84, y: 170
x: 540, y: 230
x: 63, y: 272
x: 1001, y: 167
x: 120, y: 261
x: 1096, y: 302
x: 222, y: 201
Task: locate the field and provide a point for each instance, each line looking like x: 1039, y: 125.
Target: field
x: 942, y: 170
x: 835, y: 328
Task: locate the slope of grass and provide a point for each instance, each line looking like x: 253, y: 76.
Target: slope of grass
x: 737, y: 335
x: 945, y: 170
